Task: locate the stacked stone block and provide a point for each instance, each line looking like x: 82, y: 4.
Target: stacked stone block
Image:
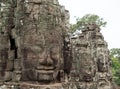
x: 36, y: 51
x: 92, y: 58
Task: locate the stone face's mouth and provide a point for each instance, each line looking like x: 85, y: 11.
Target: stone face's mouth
x: 45, y: 75
x: 45, y: 68
x: 87, y: 78
x: 45, y: 71
x: 103, y: 82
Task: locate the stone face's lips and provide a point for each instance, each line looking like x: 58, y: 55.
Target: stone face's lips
x: 87, y: 78
x: 45, y: 68
x: 103, y: 82
x: 45, y: 71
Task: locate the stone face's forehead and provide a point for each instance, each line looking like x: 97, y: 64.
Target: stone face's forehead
x: 48, y: 38
x: 42, y: 25
x: 41, y: 47
x: 53, y: 37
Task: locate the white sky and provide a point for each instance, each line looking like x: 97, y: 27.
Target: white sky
x: 107, y: 9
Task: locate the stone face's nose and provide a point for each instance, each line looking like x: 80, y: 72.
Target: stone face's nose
x: 104, y: 65
x: 88, y: 72
x: 46, y: 60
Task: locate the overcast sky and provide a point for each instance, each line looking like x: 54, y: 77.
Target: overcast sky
x: 107, y: 9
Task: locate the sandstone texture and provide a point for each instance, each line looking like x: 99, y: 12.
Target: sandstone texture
x: 36, y: 51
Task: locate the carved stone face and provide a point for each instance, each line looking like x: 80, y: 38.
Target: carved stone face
x: 88, y: 73
x: 103, y: 82
x: 41, y: 42
x: 41, y: 61
x: 87, y: 68
x: 102, y: 63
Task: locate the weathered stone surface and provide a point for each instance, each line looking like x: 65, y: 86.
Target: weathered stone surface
x: 40, y: 29
x: 7, y: 46
x: 36, y: 51
x: 92, y: 59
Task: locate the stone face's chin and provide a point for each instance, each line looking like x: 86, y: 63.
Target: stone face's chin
x: 38, y: 75
x: 44, y: 75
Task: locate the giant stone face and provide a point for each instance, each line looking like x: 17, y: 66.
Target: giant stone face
x: 42, y: 56
x: 41, y: 43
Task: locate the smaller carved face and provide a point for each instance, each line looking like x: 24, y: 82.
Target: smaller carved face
x: 103, y: 82
x: 102, y: 63
x: 88, y: 73
x: 88, y: 68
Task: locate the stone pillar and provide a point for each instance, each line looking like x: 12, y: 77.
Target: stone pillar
x: 94, y: 61
x: 7, y: 45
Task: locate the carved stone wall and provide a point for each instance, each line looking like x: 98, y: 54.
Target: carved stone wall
x: 36, y: 51
x: 7, y: 43
x: 32, y: 42
x: 91, y: 56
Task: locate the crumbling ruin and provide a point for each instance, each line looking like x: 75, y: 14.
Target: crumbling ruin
x: 37, y: 53
x: 92, y: 58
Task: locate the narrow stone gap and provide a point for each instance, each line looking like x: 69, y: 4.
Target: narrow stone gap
x: 13, y: 46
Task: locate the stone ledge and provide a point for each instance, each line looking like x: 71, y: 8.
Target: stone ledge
x: 24, y: 85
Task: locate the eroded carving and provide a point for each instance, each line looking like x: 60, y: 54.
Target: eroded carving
x: 36, y: 48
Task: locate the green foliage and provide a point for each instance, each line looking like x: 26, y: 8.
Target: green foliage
x: 115, y: 52
x: 89, y: 18
x: 115, y: 56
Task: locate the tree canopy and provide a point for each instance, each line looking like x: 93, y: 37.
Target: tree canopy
x: 88, y: 18
x: 115, y: 56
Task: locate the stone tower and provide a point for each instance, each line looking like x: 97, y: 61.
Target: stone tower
x: 91, y: 55
x: 40, y: 28
x: 36, y: 51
